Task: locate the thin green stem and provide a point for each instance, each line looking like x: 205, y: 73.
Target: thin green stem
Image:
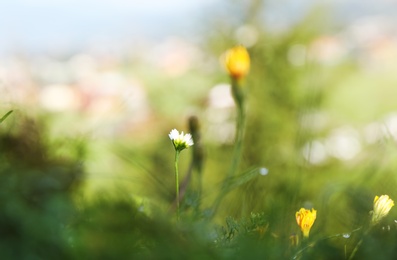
x: 322, y: 239
x: 356, y: 249
x: 177, y: 184
x: 238, y: 94
x: 358, y: 244
x: 239, y: 142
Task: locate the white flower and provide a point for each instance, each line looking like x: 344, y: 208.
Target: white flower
x: 180, y: 141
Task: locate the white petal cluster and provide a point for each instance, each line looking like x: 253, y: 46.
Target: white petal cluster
x: 181, y: 141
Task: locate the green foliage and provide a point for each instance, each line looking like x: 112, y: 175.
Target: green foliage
x: 36, y: 194
x: 256, y: 226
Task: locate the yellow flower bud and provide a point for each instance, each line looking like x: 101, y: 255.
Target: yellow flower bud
x: 382, y: 206
x: 305, y: 219
x: 237, y: 62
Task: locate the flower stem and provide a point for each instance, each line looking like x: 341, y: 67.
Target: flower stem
x: 359, y: 244
x: 356, y: 249
x: 298, y: 253
x: 177, y: 184
x: 239, y: 141
x: 238, y: 95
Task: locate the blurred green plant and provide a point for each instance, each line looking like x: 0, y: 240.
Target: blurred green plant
x: 5, y: 116
x: 36, y: 194
x: 237, y: 62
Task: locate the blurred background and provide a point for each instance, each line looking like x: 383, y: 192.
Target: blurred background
x: 119, y: 75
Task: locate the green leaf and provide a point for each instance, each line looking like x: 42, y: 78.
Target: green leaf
x: 6, y: 115
x: 241, y: 179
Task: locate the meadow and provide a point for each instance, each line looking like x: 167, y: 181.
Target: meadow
x: 284, y: 148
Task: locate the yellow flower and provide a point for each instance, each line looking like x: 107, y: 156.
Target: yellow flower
x: 382, y: 206
x: 237, y: 62
x: 305, y: 219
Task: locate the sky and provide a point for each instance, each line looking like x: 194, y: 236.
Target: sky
x: 40, y: 24
x: 48, y: 24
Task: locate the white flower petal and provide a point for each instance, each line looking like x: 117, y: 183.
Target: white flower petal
x: 174, y: 134
x: 180, y: 141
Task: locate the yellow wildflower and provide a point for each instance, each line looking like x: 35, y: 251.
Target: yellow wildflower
x: 305, y: 219
x: 237, y: 62
x: 382, y: 206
